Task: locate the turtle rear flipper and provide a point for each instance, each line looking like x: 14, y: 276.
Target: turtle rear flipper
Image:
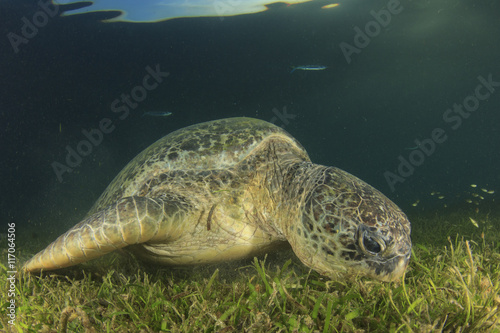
x: 131, y: 220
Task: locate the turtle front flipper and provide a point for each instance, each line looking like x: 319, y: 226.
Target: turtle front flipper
x: 130, y: 220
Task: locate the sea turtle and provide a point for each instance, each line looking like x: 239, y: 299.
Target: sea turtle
x: 232, y: 188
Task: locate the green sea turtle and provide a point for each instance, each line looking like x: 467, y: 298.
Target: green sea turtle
x: 230, y: 189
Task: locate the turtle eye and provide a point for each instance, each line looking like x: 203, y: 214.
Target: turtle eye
x: 371, y: 245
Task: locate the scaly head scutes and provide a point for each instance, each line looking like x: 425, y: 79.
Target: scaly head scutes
x: 346, y: 225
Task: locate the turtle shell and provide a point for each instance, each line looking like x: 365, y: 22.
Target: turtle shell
x: 213, y: 145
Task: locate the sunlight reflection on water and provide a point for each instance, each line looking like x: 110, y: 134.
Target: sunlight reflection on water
x: 154, y: 11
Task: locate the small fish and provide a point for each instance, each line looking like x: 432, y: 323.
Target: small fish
x: 474, y: 223
x: 332, y: 5
x: 473, y: 185
x: 441, y: 197
x: 309, y: 68
x: 491, y: 191
x: 484, y: 190
x: 157, y: 113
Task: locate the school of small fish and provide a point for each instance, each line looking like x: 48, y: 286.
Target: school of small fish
x: 470, y: 197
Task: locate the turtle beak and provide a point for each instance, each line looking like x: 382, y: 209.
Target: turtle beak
x: 392, y: 269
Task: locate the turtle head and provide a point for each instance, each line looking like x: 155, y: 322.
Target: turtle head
x: 348, y: 226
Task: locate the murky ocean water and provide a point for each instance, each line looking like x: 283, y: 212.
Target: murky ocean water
x: 403, y: 94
